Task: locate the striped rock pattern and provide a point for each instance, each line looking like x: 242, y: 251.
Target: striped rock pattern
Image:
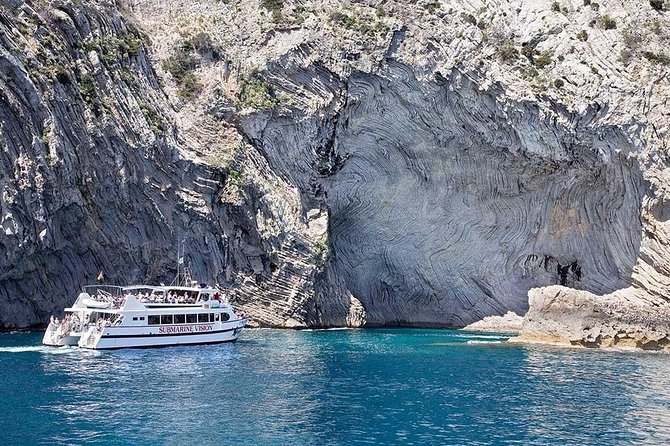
x: 448, y: 202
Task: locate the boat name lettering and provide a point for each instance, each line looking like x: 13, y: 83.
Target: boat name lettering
x: 185, y: 329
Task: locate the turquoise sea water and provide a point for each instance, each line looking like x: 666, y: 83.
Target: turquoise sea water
x: 377, y: 386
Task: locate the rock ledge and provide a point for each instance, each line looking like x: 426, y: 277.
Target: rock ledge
x: 622, y: 320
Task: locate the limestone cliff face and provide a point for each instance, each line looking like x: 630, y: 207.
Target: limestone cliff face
x: 336, y: 163
x: 95, y: 175
x: 430, y: 224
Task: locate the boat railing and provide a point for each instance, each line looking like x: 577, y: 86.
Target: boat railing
x: 107, y: 290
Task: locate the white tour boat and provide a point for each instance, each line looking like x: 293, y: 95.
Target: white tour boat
x: 110, y: 317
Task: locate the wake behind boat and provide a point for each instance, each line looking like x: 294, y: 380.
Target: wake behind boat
x: 110, y: 317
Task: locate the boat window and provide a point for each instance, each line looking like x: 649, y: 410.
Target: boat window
x: 154, y: 320
x: 134, y: 318
x: 225, y: 317
x: 211, y: 317
x: 179, y: 319
x: 203, y: 317
x: 166, y: 319
x: 216, y: 317
x: 141, y: 318
x: 191, y: 318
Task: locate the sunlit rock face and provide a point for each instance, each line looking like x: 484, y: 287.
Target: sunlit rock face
x: 341, y: 164
x: 622, y: 319
x: 448, y: 202
x: 92, y: 177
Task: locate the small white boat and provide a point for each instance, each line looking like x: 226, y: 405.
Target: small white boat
x: 110, y: 317
x: 90, y: 303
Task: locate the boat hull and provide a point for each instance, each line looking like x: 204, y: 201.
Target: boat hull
x: 113, y: 338
x: 165, y: 345
x: 70, y: 340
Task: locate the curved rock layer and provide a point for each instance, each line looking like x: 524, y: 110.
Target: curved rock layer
x: 448, y: 202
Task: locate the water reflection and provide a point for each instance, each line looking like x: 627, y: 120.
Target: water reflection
x: 650, y: 392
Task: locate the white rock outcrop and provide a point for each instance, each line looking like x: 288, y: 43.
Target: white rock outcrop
x: 564, y: 316
x: 509, y: 322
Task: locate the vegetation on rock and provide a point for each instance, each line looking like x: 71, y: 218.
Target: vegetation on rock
x: 606, y: 22
x: 275, y: 7
x: 258, y: 94
x: 181, y: 65
x: 657, y: 58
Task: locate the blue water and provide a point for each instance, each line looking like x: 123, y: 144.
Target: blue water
x: 378, y: 386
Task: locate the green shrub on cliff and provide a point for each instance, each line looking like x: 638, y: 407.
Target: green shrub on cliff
x: 153, y: 118
x: 544, y: 59
x: 657, y: 58
x: 233, y: 176
x: 189, y: 86
x: 321, y: 249
x: 275, y: 7
x: 180, y: 66
x: 432, y: 7
x: 343, y: 19
x: 507, y: 52
x: 606, y: 22
x: 367, y: 25
x: 258, y: 94
x: 87, y: 89
x: 112, y: 48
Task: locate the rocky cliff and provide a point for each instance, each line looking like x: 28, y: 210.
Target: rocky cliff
x: 380, y: 163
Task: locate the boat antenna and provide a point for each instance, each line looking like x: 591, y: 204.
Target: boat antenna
x: 177, y: 278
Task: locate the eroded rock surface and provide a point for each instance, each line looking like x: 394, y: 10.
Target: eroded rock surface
x: 565, y: 316
x: 335, y: 163
x: 509, y: 322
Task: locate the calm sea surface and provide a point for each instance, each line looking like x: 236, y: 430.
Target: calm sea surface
x: 377, y: 386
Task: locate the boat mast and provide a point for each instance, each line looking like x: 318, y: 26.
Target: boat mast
x: 180, y: 259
